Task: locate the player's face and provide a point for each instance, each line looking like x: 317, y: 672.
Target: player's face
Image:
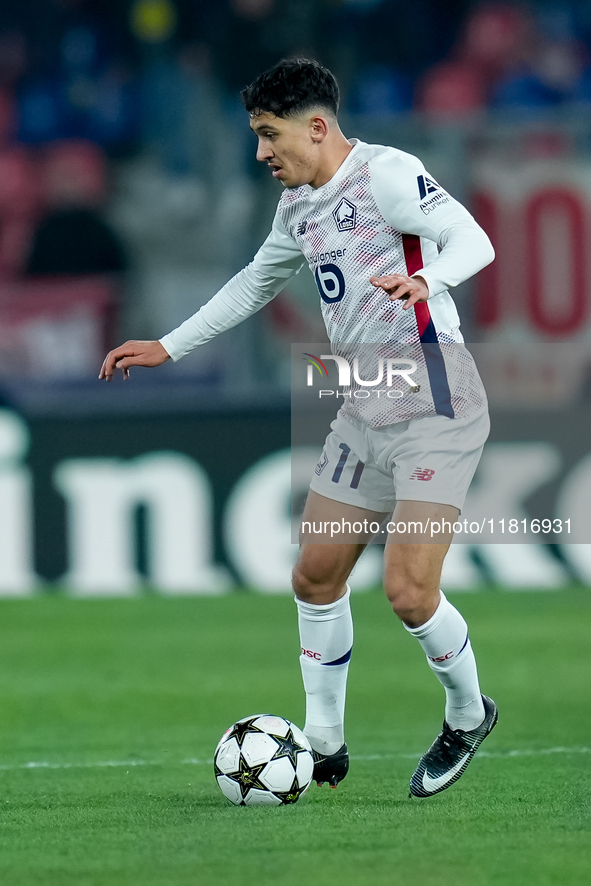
x: 288, y: 146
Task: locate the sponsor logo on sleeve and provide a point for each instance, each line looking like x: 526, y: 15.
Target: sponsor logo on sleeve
x: 426, y: 186
x: 431, y: 194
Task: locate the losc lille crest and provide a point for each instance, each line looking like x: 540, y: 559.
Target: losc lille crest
x: 345, y: 215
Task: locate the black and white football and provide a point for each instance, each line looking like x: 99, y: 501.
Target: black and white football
x: 263, y: 760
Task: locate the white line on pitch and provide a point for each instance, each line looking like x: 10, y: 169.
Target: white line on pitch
x: 495, y: 755
x: 99, y: 764
x: 193, y: 761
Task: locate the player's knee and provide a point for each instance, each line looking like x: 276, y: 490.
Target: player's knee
x: 413, y: 600
x: 313, y: 585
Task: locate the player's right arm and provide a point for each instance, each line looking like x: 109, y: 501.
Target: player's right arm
x: 463, y: 247
x: 278, y: 259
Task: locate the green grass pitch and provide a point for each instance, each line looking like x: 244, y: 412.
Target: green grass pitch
x: 120, y: 704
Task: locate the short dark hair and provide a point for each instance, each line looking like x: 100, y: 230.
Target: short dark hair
x: 292, y: 86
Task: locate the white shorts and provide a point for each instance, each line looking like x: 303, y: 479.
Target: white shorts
x: 425, y: 459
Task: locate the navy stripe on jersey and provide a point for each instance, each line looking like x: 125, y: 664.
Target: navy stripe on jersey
x: 438, y: 378
x: 427, y: 334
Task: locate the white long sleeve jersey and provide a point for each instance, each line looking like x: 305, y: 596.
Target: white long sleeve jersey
x: 381, y: 213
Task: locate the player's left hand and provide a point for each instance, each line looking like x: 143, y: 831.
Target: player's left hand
x: 411, y: 289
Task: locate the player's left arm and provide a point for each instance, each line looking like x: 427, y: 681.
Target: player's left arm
x: 398, y: 184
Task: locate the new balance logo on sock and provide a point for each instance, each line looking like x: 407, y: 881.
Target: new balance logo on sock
x: 310, y: 654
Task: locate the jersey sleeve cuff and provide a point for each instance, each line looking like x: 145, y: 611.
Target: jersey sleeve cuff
x: 167, y: 344
x: 434, y: 286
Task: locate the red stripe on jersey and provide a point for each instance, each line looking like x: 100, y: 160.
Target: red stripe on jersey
x: 411, y: 243
x: 423, y: 315
x: 413, y: 256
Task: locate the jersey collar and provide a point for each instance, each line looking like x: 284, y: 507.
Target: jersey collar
x: 341, y: 171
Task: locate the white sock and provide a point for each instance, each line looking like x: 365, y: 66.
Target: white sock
x: 326, y: 638
x: 445, y: 641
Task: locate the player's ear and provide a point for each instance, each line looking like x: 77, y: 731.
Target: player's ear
x: 318, y: 128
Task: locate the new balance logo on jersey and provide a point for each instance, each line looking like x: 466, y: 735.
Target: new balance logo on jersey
x: 302, y: 228
x: 421, y: 474
x: 345, y: 215
x: 426, y: 186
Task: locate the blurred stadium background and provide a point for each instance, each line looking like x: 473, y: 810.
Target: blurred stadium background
x: 129, y: 193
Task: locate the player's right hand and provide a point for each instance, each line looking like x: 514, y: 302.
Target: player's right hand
x: 133, y: 353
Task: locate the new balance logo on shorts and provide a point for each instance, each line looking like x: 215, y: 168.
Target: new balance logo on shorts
x: 421, y: 474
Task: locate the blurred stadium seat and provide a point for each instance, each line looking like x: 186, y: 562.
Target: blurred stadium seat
x: 451, y: 90
x: 57, y: 328
x: 21, y: 199
x: 74, y: 170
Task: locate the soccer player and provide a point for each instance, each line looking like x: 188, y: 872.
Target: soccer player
x: 395, y: 242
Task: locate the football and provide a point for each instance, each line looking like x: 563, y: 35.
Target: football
x: 263, y: 760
